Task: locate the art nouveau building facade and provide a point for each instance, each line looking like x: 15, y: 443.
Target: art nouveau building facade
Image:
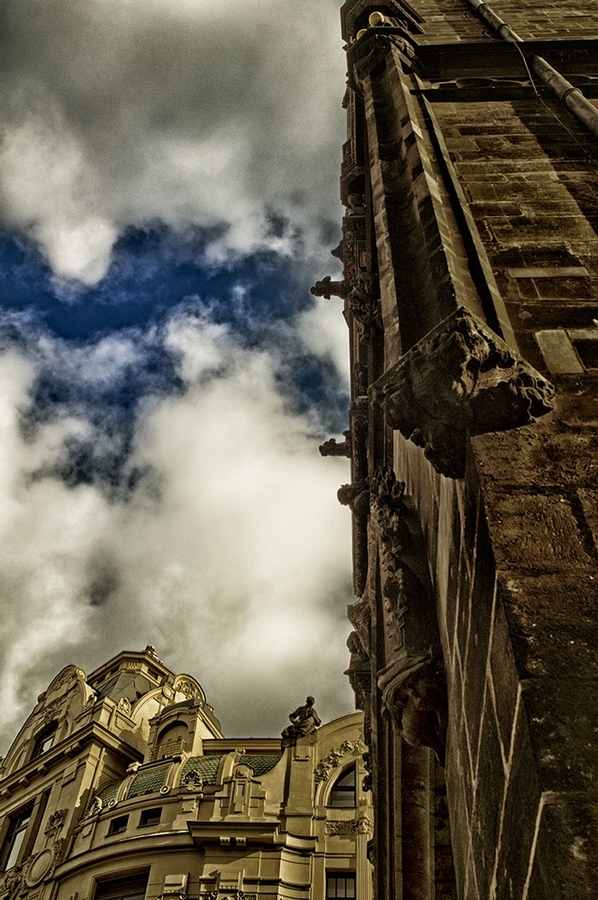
x: 121, y: 786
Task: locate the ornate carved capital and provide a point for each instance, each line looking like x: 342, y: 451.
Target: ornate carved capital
x: 460, y: 379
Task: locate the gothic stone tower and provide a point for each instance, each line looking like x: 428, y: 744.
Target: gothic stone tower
x: 470, y: 254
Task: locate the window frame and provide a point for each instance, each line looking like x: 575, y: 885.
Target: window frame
x: 102, y: 889
x: 39, y: 740
x: 335, y: 875
x: 113, y: 829
x: 145, y: 813
x: 348, y: 791
x: 16, y: 835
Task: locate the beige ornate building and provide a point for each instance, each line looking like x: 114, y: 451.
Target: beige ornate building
x: 121, y: 786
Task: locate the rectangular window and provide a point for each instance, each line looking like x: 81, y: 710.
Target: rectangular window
x: 118, y: 825
x: 150, y: 817
x: 15, y: 836
x: 130, y: 887
x: 340, y: 886
x: 44, y: 740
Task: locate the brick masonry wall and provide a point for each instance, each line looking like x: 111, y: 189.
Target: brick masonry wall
x: 535, y: 20
x: 514, y: 546
x: 447, y: 21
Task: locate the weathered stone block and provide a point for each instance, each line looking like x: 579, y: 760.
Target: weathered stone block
x: 568, y: 844
x: 487, y: 809
x: 521, y: 803
x: 563, y: 731
x: 535, y: 532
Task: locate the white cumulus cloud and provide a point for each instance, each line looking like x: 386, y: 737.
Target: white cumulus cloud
x: 232, y: 557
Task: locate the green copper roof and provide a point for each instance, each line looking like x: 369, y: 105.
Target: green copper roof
x: 261, y: 763
x: 148, y: 781
x: 109, y: 791
x: 206, y: 766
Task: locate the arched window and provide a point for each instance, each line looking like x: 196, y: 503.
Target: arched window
x: 44, y: 740
x: 344, y: 793
x: 172, y: 739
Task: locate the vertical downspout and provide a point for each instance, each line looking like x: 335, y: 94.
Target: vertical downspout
x: 567, y: 93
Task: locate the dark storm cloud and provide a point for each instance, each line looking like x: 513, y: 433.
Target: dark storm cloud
x: 118, y: 113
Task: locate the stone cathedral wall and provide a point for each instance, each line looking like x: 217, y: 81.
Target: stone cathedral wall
x: 483, y: 193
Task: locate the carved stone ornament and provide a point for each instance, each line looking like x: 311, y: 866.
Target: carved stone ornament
x: 460, y: 379
x: 350, y: 828
x: 367, y: 53
x: 414, y: 695
x: 59, y: 850
x: 193, y: 781
x: 360, y: 616
x: 187, y: 687
x: 333, y: 760
x: 332, y: 447
x: 327, y: 288
x: 12, y: 882
x: 94, y: 807
x: 226, y: 894
x: 412, y: 683
x: 359, y: 671
x: 55, y: 822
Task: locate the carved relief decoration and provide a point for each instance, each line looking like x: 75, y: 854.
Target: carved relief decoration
x: 359, y: 671
x: 55, y: 822
x: 350, y: 828
x: 17, y: 881
x: 193, y: 781
x: 460, y: 379
x: 187, y: 687
x: 12, y: 883
x: 225, y: 894
x: 333, y: 760
x: 412, y: 682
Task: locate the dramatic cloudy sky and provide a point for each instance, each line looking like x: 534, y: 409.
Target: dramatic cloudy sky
x: 168, y: 194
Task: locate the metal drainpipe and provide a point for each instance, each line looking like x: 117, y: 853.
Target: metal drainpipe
x: 567, y: 93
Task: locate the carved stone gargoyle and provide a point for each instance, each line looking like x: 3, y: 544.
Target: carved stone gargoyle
x: 415, y: 698
x: 359, y: 671
x: 356, y: 496
x: 332, y: 447
x: 460, y: 379
x: 327, y: 288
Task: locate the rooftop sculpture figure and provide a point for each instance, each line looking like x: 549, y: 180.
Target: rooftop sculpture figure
x: 304, y: 720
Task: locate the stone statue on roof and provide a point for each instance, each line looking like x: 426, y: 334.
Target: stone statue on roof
x: 304, y: 720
